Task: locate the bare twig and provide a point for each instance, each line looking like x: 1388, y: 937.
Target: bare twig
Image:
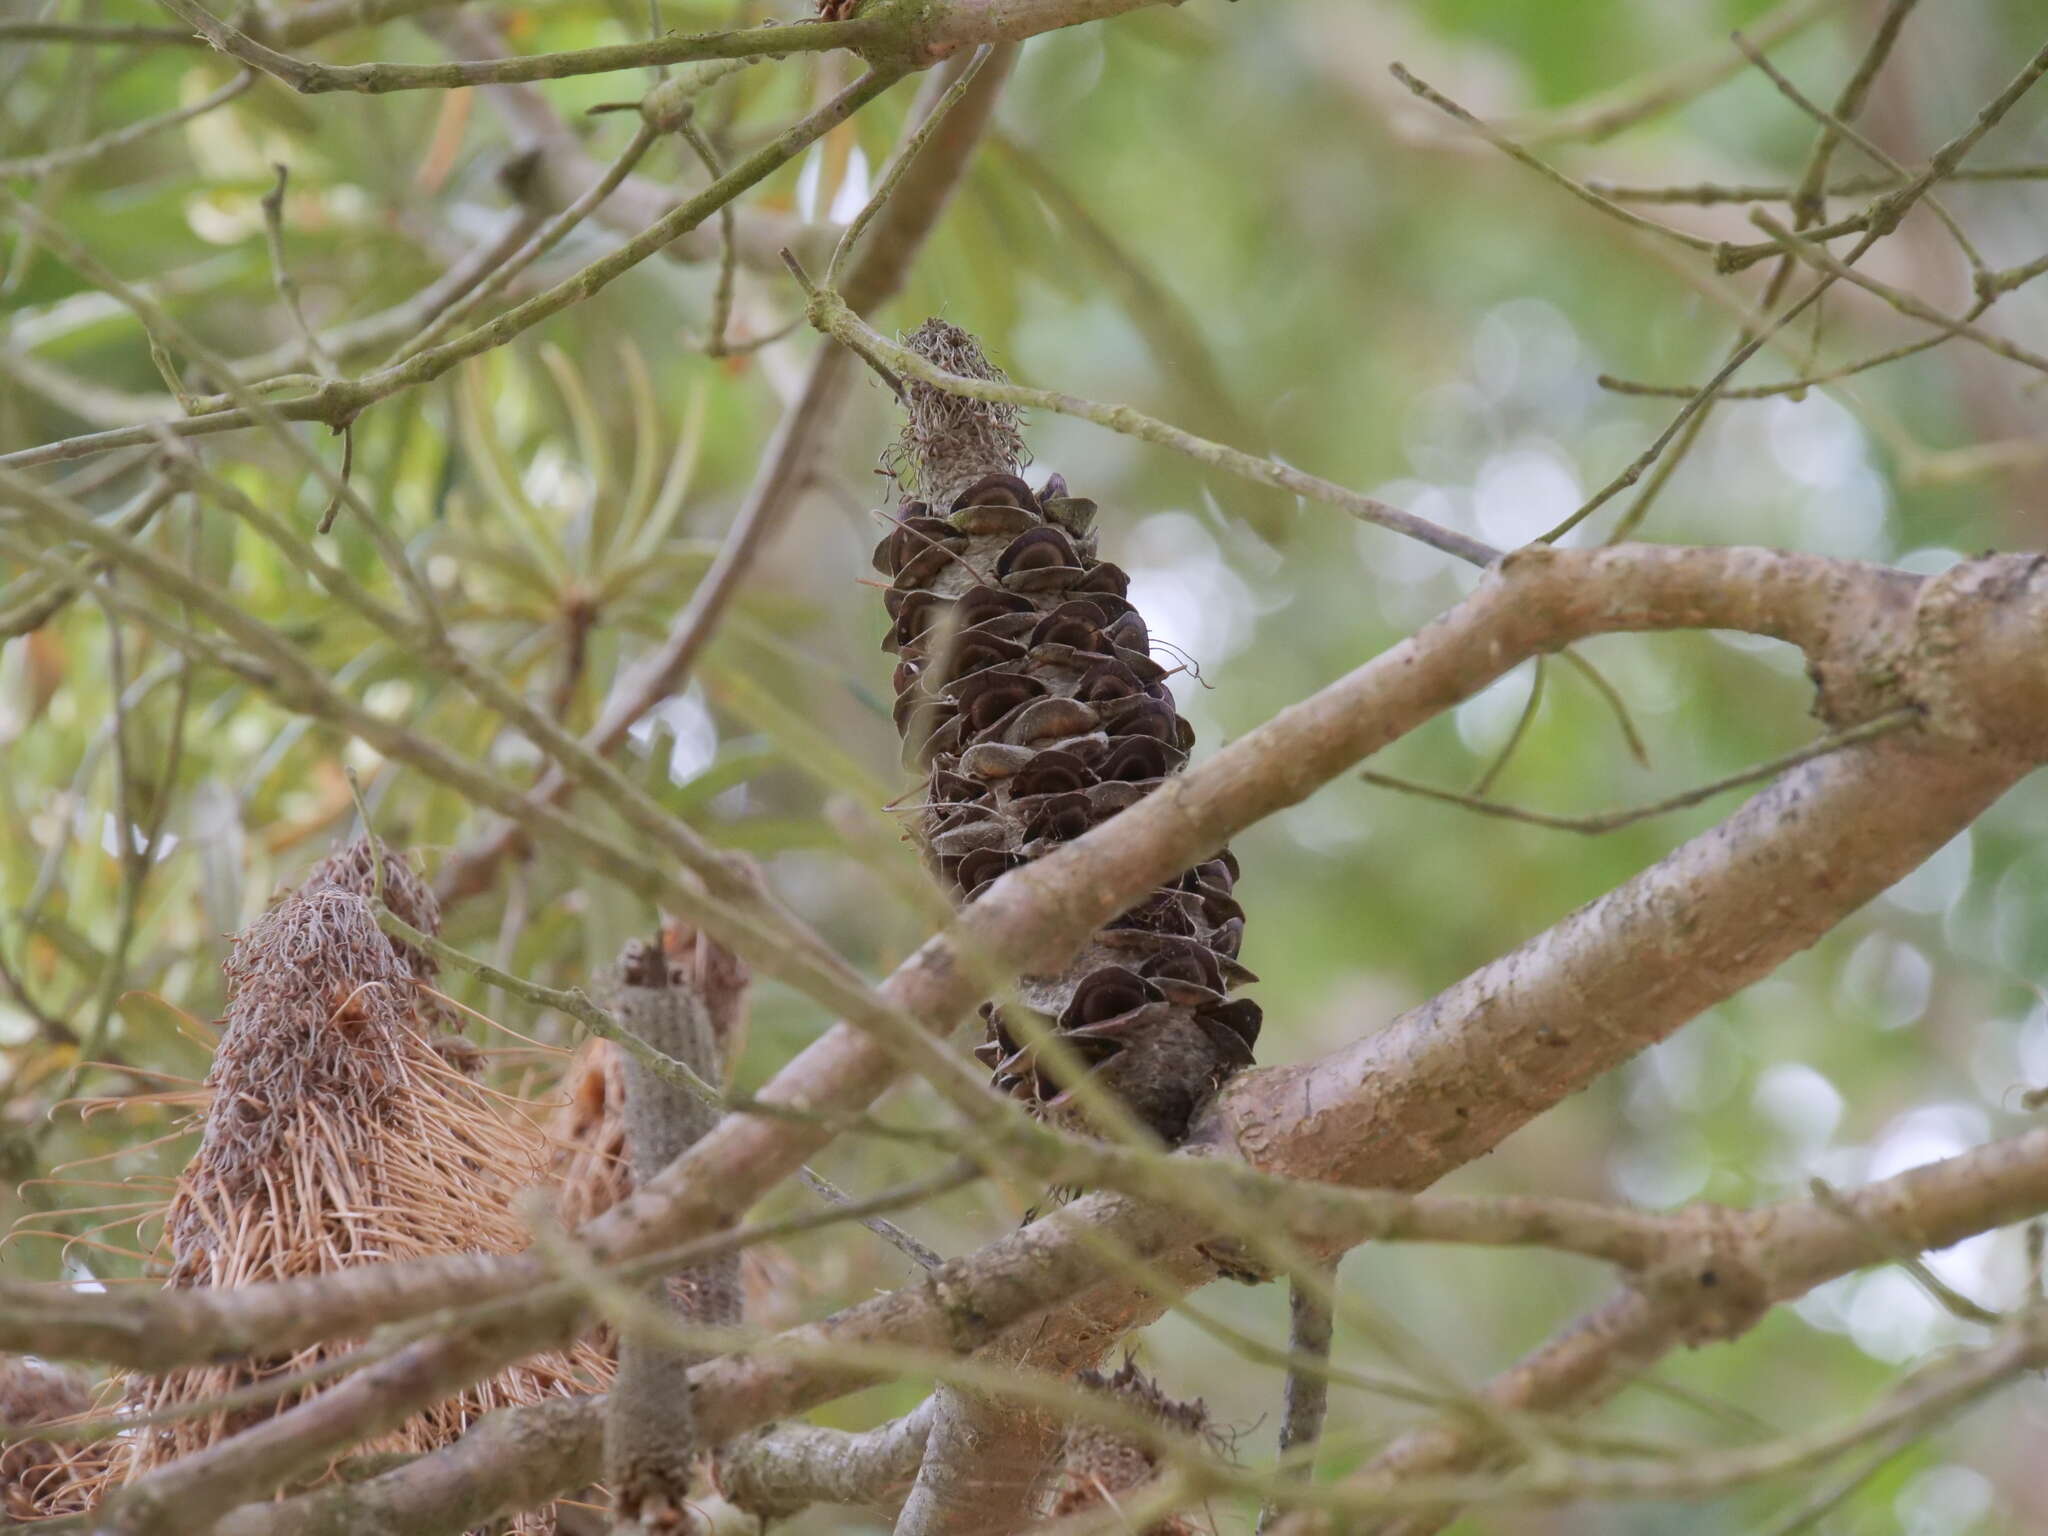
x: 904, y: 35
x: 1835, y: 126
x: 1640, y: 100
x: 1307, y: 1392
x: 728, y: 240
x: 1707, y: 193
x: 1612, y: 821
x: 886, y: 1230
x: 272, y: 203
x: 545, y: 239
x: 906, y: 156
x: 1507, y: 145
x: 340, y: 401
x: 35, y: 167
x: 831, y: 314
x: 1905, y: 303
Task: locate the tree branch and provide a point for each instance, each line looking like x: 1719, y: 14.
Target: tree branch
x: 1449, y: 1080
x: 340, y: 401
x: 775, y: 1473
x: 911, y: 34
x: 1771, y: 1254
x: 1779, y: 1253
x: 985, y: 1457
x: 563, y: 168
x: 1957, y: 646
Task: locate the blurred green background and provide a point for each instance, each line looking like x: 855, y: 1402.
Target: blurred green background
x: 1227, y: 215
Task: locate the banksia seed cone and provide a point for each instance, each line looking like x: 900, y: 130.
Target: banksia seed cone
x: 1027, y: 693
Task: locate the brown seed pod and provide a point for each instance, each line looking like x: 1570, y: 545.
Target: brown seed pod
x: 1027, y: 694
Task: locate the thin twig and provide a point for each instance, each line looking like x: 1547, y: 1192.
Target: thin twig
x: 574, y: 1002
x: 543, y: 240
x: 785, y: 468
x: 1612, y: 821
x: 1307, y: 1397
x: 766, y: 41
x: 40, y: 599
x: 1884, y: 218
x: 888, y: 1231
x: 1616, y: 704
x: 38, y: 166
x: 728, y: 244
x: 1708, y: 193
x: 98, y: 37
x: 1946, y: 1296
x: 1501, y: 759
x: 1835, y: 125
x: 272, y: 204
x: 829, y: 313
x: 341, y: 400
x: 1640, y: 100
x: 1905, y: 303
x: 1550, y: 173
x: 906, y: 156
x: 1808, y: 210
x: 1796, y: 386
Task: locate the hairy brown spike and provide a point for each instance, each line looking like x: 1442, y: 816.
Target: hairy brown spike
x: 338, y: 1131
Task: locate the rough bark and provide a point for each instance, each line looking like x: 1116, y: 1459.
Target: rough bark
x: 983, y: 1468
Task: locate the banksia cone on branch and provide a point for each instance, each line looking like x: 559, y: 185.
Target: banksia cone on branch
x: 335, y: 1134
x: 1027, y: 693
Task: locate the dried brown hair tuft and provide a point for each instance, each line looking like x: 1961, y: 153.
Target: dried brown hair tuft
x: 335, y: 1133
x: 947, y: 440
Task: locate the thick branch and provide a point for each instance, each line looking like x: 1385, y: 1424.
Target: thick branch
x: 984, y: 1461
x: 510, y: 1460
x: 1767, y: 1258
x: 779, y: 1472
